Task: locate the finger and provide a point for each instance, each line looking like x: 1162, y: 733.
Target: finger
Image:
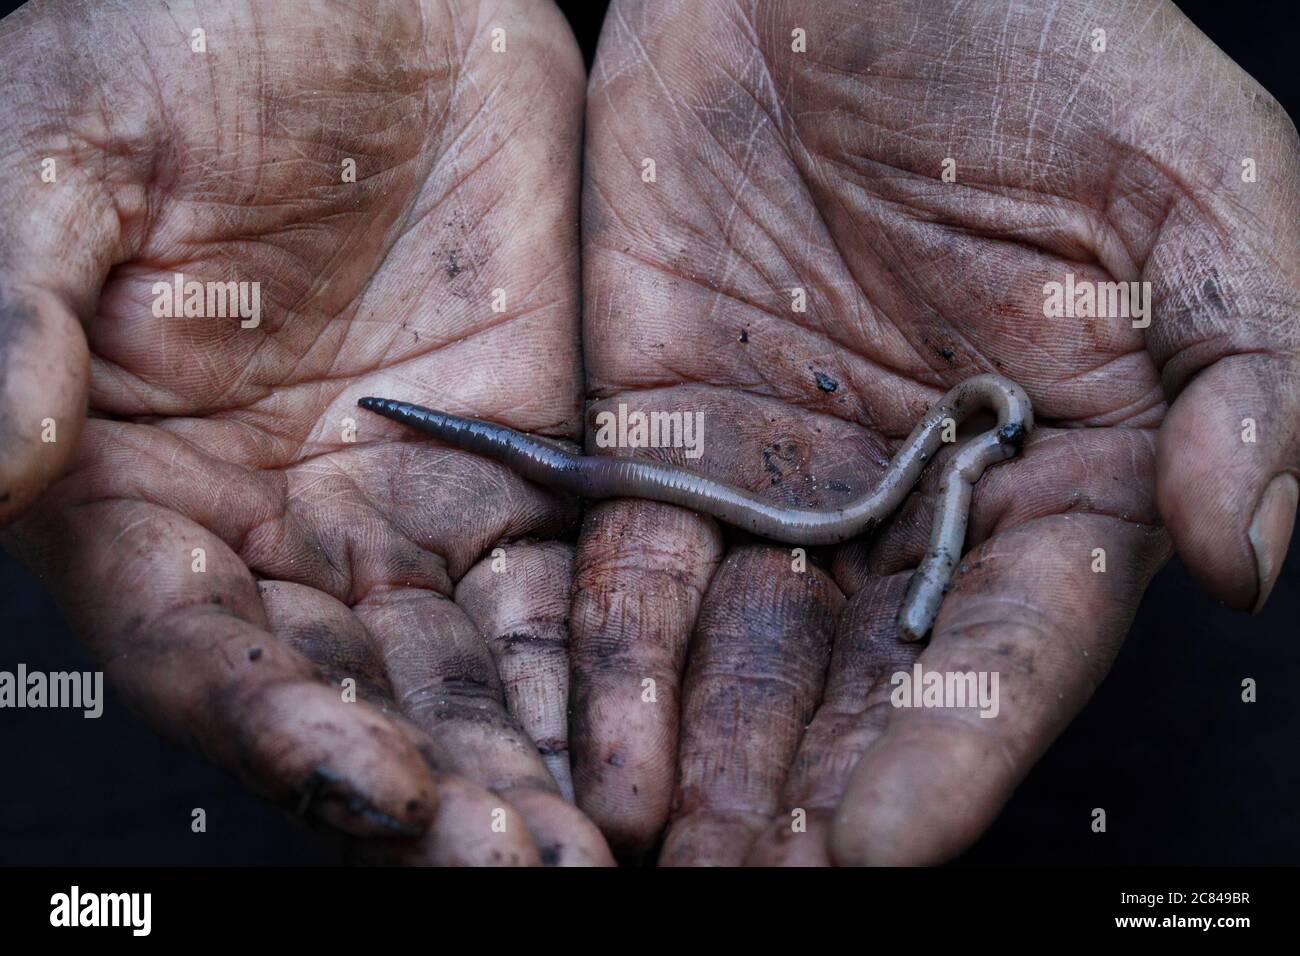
x: 330, y: 635
x: 444, y: 680
x: 1230, y: 503
x: 640, y: 573
x: 564, y: 835
x: 851, y: 717
x: 1101, y: 472
x: 758, y: 659
x: 457, y: 837
x: 1030, y: 609
x: 519, y: 600
x: 1090, y: 471
x: 1225, y: 332
x: 190, y: 649
x: 43, y: 379
x: 327, y: 633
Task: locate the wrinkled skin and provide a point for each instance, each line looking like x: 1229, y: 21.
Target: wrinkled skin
x: 327, y: 558
x: 821, y: 170
x: 330, y: 551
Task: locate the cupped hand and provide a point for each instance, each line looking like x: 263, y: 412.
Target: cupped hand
x: 360, y: 624
x: 769, y: 238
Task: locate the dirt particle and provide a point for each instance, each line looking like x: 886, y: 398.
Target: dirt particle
x: 1212, y: 291
x: 454, y: 267
x: 826, y: 383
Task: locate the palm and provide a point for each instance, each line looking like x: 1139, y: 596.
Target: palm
x: 786, y: 179
x: 227, y: 476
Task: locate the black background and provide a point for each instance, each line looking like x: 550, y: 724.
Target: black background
x: 1186, y: 772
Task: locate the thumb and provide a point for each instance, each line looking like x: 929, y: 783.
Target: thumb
x: 43, y: 380
x: 1227, y: 461
x: 59, y: 232
x: 1225, y: 332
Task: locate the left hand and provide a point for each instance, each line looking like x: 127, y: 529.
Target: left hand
x: 232, y: 537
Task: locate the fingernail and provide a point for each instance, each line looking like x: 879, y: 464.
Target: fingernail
x: 1270, y: 532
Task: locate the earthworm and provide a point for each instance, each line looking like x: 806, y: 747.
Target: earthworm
x: 593, y: 476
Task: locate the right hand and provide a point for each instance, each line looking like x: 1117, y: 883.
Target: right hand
x: 820, y: 170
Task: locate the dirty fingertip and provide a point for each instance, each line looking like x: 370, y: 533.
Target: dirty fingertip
x: 345, y: 765
x: 472, y: 827
x: 563, y: 834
